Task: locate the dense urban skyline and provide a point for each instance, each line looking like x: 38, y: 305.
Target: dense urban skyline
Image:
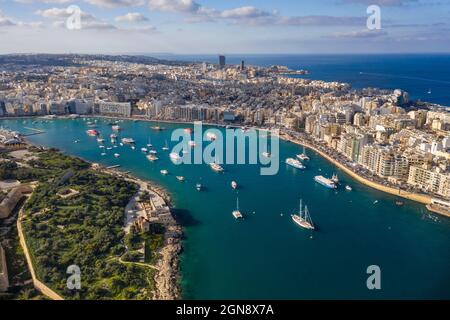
x: 188, y: 26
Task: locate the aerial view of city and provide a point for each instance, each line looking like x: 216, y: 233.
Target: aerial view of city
x: 224, y: 151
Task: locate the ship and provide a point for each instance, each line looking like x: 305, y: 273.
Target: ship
x: 303, y: 155
x: 295, y: 163
x: 127, y: 140
x: 236, y: 213
x: 92, y: 132
x: 152, y: 157
x: 303, y: 219
x: 325, y: 182
x: 166, y: 147
x: 234, y: 184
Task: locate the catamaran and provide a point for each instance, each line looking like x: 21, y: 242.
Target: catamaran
x: 303, y: 219
x: 303, y: 155
x: 236, y: 213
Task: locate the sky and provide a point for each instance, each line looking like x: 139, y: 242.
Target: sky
x: 224, y: 26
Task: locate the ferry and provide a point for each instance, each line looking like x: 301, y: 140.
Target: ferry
x: 303, y: 156
x: 295, y: 163
x: 236, y: 213
x: 348, y: 188
x: 216, y: 167
x: 234, y: 184
x: 116, y: 128
x: 164, y: 172
x: 211, y: 136
x: 325, y: 182
x: 303, y: 219
x: 151, y: 157
x: 180, y: 178
x: 92, y: 132
x: 116, y: 155
x: 127, y: 140
x: 199, y: 186
x: 144, y: 150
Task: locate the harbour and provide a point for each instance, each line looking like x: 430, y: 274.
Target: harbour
x: 225, y: 259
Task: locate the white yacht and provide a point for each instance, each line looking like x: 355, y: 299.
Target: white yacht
x: 303, y: 155
x: 303, y: 219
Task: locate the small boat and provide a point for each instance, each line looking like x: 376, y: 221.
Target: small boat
x: 116, y: 155
x: 267, y: 154
x: 199, y: 187
x: 164, y: 172
x: 101, y: 147
x: 236, y: 213
x: 92, y: 132
x: 128, y: 141
x: 211, y: 136
x: 303, y: 155
x: 116, y: 128
x: 100, y: 140
x: 180, y: 178
x: 335, y: 178
x: 303, y: 219
x: 156, y: 128
x: 375, y: 202
x: 188, y: 130
x: 429, y: 91
x: 399, y: 203
x: 153, y: 152
x: 76, y: 141
x: 234, y: 185
x: 149, y: 144
x: 174, y: 156
x: 191, y: 144
x: 166, y: 147
x: 109, y: 148
x: 103, y: 154
x: 348, y: 188
x: 121, y: 144
x: 144, y: 150
x: 216, y: 167
x: 152, y: 157
x: 295, y: 163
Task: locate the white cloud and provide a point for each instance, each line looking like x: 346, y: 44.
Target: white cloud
x: 44, y: 1
x: 131, y: 17
x: 185, y: 6
x: 361, y: 34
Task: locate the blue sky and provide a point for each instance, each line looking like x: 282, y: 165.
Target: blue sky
x: 228, y: 26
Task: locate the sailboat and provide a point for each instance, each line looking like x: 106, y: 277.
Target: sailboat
x: 303, y: 219
x: 166, y: 147
x: 236, y: 213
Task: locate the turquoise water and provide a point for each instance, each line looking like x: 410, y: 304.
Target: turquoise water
x: 266, y: 255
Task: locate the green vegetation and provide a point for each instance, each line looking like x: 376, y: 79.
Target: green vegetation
x: 83, y: 230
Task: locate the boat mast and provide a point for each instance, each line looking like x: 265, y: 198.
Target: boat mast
x: 237, y: 203
x: 300, y: 212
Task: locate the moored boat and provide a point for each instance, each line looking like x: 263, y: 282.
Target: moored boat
x: 325, y: 182
x: 295, y: 163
